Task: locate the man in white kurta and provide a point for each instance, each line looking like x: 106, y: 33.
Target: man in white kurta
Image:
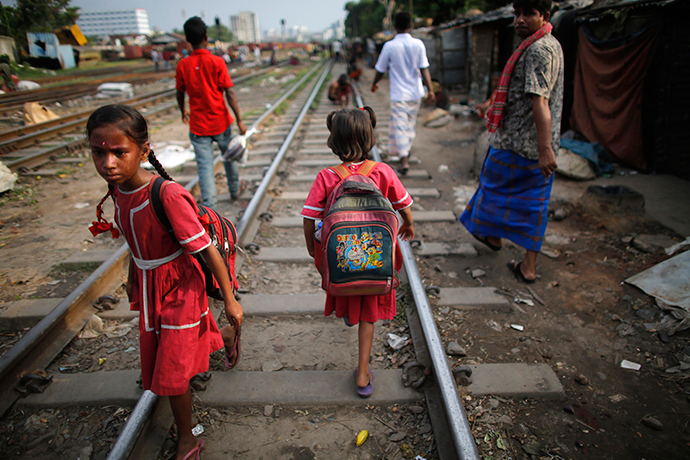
x: 404, y: 57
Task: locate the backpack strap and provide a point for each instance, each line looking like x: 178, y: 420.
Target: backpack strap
x: 344, y: 172
x: 155, y: 197
x: 341, y: 171
x: 367, y: 167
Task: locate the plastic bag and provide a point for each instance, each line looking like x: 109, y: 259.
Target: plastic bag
x: 237, y: 150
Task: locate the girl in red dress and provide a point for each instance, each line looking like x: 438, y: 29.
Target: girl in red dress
x: 352, y: 137
x: 166, y: 285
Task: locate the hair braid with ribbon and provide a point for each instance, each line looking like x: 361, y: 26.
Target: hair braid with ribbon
x: 101, y: 225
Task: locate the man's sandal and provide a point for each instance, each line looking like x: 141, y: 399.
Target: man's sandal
x: 517, y: 271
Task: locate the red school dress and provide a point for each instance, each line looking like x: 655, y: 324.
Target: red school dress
x: 177, y: 330
x: 369, y: 308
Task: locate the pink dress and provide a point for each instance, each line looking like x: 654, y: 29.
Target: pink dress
x: 368, y: 308
x: 177, y: 329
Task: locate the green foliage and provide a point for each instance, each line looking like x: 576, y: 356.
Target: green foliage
x: 219, y: 32
x: 36, y: 16
x: 364, y: 18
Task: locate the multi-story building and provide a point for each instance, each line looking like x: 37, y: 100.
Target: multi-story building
x: 245, y: 27
x: 118, y: 22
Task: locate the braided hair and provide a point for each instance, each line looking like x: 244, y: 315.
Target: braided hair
x: 133, y: 124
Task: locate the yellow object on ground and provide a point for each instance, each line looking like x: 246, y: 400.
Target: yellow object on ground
x: 361, y: 437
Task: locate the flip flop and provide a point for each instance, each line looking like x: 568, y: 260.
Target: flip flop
x: 365, y: 392
x: 485, y: 241
x: 403, y: 170
x: 197, y: 450
x: 233, y: 356
x: 515, y: 268
x: 347, y: 322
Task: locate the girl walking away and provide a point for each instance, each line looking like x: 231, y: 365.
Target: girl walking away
x: 166, y: 285
x: 351, y: 138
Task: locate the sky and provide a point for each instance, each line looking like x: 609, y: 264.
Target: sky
x: 316, y: 15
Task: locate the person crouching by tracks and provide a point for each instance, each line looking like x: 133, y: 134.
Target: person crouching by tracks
x: 339, y: 91
x: 359, y: 253
x: 165, y: 284
x: 204, y: 77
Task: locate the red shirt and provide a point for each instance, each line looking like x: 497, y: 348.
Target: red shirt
x: 204, y: 77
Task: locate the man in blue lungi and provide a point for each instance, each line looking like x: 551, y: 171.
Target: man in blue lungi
x: 524, y: 134
x: 404, y: 57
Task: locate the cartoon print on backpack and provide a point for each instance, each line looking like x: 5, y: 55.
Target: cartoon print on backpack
x: 359, y: 254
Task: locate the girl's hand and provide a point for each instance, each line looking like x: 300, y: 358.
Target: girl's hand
x: 130, y: 290
x: 234, y: 312
x: 406, y: 232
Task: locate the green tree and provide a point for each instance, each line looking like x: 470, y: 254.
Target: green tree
x: 220, y: 32
x: 364, y: 18
x: 36, y: 16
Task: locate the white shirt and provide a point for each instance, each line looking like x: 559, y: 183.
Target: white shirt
x: 403, y: 57
x: 337, y: 46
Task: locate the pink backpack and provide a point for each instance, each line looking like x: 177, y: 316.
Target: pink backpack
x: 358, y: 237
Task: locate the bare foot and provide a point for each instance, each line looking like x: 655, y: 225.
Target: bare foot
x: 184, y: 447
x: 363, y: 378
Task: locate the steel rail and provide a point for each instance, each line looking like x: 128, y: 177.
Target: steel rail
x: 60, y: 326
x: 144, y: 408
x: 460, y: 429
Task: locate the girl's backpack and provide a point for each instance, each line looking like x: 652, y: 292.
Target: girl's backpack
x: 220, y: 229
x: 358, y: 236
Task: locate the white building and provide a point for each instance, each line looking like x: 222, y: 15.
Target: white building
x: 245, y: 27
x: 118, y: 22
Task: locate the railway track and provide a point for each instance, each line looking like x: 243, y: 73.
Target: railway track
x: 19, y: 148
x: 280, y: 287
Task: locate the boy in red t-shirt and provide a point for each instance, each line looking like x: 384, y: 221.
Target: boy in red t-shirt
x: 204, y: 77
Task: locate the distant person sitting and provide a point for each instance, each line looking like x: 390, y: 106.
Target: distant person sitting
x: 6, y: 73
x: 339, y: 91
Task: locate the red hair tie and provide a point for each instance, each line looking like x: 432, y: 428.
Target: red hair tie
x: 101, y: 225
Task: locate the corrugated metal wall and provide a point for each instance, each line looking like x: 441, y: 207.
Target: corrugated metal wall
x: 453, y: 59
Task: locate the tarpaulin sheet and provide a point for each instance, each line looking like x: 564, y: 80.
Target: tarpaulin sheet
x: 668, y: 281
x: 608, y: 94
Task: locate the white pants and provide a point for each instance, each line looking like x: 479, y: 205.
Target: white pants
x: 401, y: 129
